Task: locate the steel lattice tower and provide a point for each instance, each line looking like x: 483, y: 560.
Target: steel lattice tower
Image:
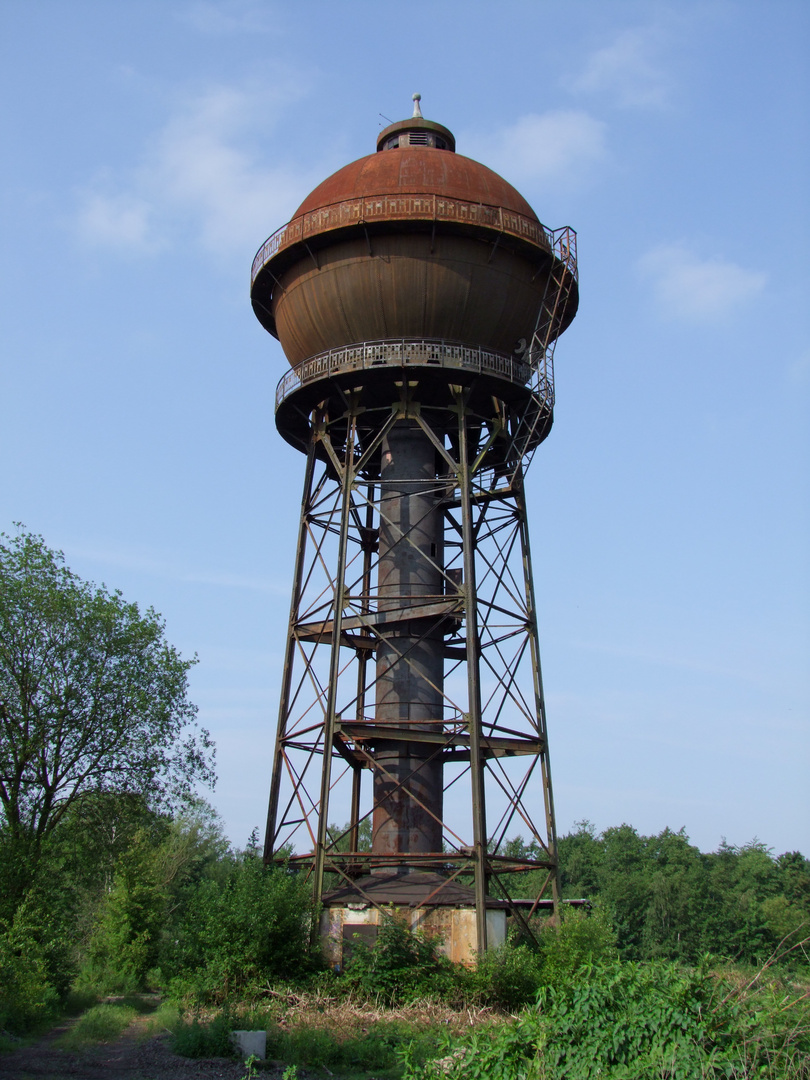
x: 418, y: 299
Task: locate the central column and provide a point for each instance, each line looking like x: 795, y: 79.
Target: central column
x: 410, y: 663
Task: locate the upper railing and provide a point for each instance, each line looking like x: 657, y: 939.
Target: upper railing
x: 370, y: 208
x: 370, y: 355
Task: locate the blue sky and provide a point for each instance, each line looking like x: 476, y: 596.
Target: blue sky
x: 151, y: 147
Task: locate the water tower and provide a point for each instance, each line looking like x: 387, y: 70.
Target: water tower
x: 417, y: 298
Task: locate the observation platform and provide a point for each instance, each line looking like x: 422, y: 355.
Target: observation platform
x: 376, y: 369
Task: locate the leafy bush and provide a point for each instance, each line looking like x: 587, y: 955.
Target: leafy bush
x: 632, y: 1021
x: 633, y: 1017
x: 253, y: 928
x: 27, y: 998
x: 507, y: 977
x: 402, y: 965
x: 125, y: 944
x: 581, y: 938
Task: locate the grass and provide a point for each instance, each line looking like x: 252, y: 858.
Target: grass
x: 165, y: 1018
x: 354, y: 1037
x: 349, y: 1037
x: 100, y: 1024
x: 105, y: 1021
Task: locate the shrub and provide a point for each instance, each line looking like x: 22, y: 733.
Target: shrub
x: 633, y: 1021
x: 402, y: 965
x: 27, y: 998
x: 581, y: 938
x: 253, y: 928
x: 508, y: 977
x: 125, y: 943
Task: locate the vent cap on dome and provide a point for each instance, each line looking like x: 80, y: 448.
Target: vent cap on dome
x: 416, y: 132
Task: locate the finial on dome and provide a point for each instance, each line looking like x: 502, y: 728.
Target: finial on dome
x: 417, y: 112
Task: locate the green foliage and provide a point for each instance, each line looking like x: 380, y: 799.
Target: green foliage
x: 582, y: 938
x: 249, y: 928
x: 92, y: 699
x: 626, y: 1016
x: 194, y: 1039
x: 667, y: 900
x: 100, y: 1024
x: 402, y: 965
x: 507, y: 977
x: 632, y: 1021
x: 376, y: 1049
x: 315, y: 1047
x: 27, y: 998
x: 40, y: 925
x: 488, y: 1053
x: 126, y: 943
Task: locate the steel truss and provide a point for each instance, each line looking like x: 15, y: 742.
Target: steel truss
x: 490, y: 731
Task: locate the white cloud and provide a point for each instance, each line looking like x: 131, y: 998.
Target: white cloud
x: 689, y: 287
x: 629, y: 70
x: 229, y: 17
x: 553, y: 147
x: 121, y: 221
x: 199, y: 176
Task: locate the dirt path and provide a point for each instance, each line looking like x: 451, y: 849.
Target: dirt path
x: 134, y: 1056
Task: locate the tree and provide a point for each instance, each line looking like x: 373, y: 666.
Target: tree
x: 239, y: 932
x: 92, y: 699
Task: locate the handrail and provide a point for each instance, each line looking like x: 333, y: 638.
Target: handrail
x: 413, y: 207
x: 402, y: 352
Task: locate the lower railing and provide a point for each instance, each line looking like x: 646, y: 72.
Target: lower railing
x: 401, y: 352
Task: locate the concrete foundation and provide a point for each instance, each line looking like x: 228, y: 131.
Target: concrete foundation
x: 353, y: 914
x: 250, y: 1044
x: 454, y: 927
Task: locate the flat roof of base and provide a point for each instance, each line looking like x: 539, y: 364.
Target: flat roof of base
x: 406, y: 890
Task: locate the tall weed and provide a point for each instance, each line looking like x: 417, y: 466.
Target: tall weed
x: 633, y: 1021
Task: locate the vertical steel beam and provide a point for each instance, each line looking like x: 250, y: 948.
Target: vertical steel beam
x: 289, y: 656
x: 540, y: 704
x: 473, y: 645
x: 347, y: 482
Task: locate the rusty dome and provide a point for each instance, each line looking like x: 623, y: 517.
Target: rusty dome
x: 413, y: 170
x: 414, y: 241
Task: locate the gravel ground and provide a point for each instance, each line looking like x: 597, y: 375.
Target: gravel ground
x: 133, y: 1057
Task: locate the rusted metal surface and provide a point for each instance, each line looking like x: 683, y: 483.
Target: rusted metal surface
x: 418, y: 171
x: 370, y: 355
x: 406, y: 890
x: 428, y: 132
x: 416, y: 207
x: 418, y: 299
x: 463, y: 291
x: 407, y: 795
x: 428, y: 902
x: 428, y: 679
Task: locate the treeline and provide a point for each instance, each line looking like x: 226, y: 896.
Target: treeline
x: 124, y: 898
x: 667, y: 899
